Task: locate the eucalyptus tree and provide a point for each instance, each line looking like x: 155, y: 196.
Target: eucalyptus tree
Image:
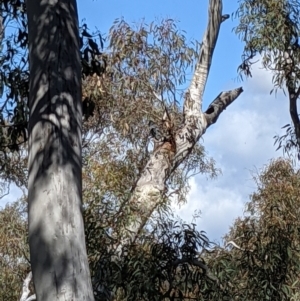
x: 261, y: 260
x: 176, y: 141
x: 270, y: 29
x: 14, y: 259
x: 56, y: 232
x: 55, y: 222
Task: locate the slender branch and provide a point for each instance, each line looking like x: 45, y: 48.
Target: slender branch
x: 197, y: 86
x: 26, y: 290
x: 197, y: 263
x: 298, y: 93
x: 293, y: 92
x: 293, y: 96
x: 293, y: 107
x: 7, y: 193
x: 232, y: 243
x: 222, y: 101
x: 185, y: 146
x: 172, y: 151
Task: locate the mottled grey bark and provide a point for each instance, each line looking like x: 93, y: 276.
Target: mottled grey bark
x: 172, y: 152
x: 56, y: 232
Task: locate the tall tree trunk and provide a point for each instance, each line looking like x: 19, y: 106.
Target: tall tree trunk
x: 56, y: 231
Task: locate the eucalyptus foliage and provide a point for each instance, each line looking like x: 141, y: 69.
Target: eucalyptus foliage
x: 265, y: 265
x: 270, y: 30
x: 118, y: 103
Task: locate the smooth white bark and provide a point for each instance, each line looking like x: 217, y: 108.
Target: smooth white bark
x: 26, y: 290
x: 56, y: 232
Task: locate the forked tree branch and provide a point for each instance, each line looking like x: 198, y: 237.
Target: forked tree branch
x: 169, y: 154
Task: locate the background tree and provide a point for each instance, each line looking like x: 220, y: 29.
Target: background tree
x: 270, y: 28
x: 261, y: 259
x: 175, y: 261
x: 14, y: 250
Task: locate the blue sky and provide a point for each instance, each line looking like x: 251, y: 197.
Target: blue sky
x: 241, y: 141
x: 192, y: 16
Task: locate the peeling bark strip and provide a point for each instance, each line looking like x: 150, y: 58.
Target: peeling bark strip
x: 26, y: 290
x: 56, y: 232
x: 149, y: 190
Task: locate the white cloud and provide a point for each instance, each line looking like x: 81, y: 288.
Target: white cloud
x: 240, y: 141
x: 219, y: 206
x: 13, y: 195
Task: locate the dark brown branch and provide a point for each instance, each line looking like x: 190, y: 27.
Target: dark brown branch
x: 293, y: 96
x: 293, y: 108
x: 298, y: 93
x: 225, y: 17
x: 293, y: 92
x: 197, y: 263
x: 294, y: 114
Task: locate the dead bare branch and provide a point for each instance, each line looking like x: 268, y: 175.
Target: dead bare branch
x: 26, y: 290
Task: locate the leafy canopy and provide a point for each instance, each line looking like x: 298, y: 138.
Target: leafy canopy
x: 270, y: 29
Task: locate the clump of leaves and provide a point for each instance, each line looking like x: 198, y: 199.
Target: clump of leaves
x: 270, y: 29
x: 266, y: 261
x: 144, y: 65
x: 14, y: 251
x: 165, y: 264
x: 140, y: 72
